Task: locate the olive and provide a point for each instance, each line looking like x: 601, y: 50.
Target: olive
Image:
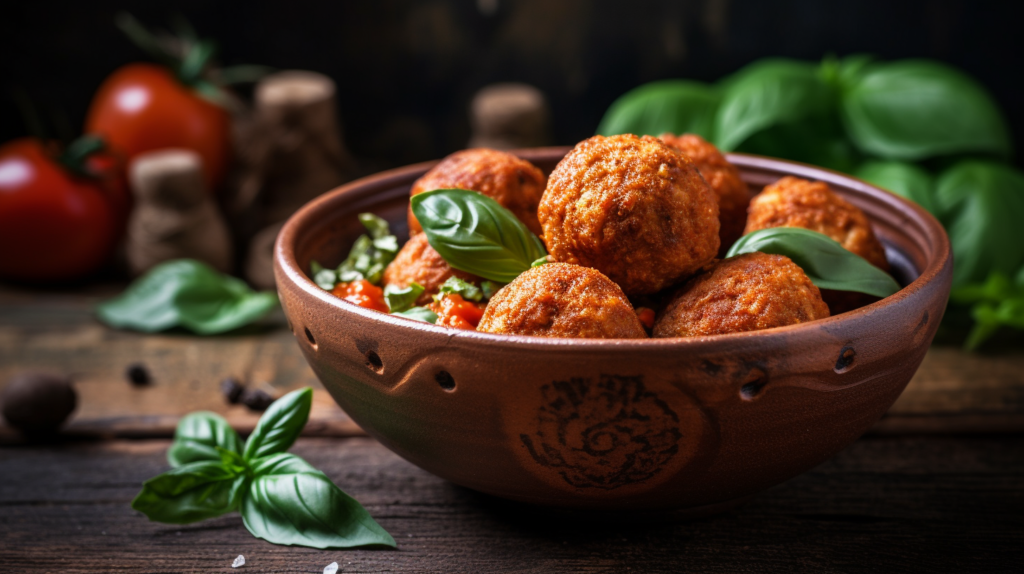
x: 38, y: 402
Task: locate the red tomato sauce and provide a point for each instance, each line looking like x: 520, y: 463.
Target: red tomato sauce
x: 454, y: 311
x: 362, y: 293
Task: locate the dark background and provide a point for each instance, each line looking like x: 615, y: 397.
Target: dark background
x: 407, y: 70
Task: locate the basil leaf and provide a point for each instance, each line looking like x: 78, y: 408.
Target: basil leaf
x: 475, y: 234
x: 982, y: 206
x: 367, y: 259
x: 989, y: 317
x: 676, y: 106
x: 197, y: 437
x: 904, y: 179
x: 190, y: 493
x: 825, y: 261
x: 280, y: 425
x: 817, y: 141
x: 844, y: 73
x: 767, y: 93
x: 464, y: 289
x: 186, y: 293
x: 402, y: 298
x: 378, y: 227
x: 290, y: 502
x: 915, y: 109
x: 419, y: 314
x: 539, y: 262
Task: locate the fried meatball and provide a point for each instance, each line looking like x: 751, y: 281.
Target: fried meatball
x: 724, y: 179
x: 417, y: 261
x: 562, y: 300
x: 514, y: 183
x: 633, y: 208
x: 749, y: 292
x: 795, y: 202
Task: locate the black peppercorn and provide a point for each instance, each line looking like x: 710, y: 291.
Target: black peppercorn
x: 232, y: 389
x: 138, y: 375
x: 256, y: 399
x: 38, y: 402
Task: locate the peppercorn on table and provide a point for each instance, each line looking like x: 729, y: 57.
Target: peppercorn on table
x: 938, y: 480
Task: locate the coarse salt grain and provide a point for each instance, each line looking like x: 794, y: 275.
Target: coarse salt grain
x: 240, y: 561
x: 331, y: 568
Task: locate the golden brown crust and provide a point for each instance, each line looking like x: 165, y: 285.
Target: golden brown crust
x: 633, y: 208
x: 795, y: 202
x: 724, y: 179
x: 514, y: 183
x: 749, y: 292
x: 417, y: 261
x: 562, y: 300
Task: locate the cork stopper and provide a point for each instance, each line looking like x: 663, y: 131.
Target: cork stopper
x: 507, y: 116
x: 168, y: 177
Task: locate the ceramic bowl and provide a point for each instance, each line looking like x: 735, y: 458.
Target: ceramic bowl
x: 689, y: 423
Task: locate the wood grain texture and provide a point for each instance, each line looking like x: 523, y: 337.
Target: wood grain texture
x: 953, y: 392
x: 883, y: 505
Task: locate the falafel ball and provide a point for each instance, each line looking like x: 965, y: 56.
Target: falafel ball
x: 562, y: 300
x: 795, y: 202
x: 417, y: 262
x: 633, y: 208
x: 748, y: 292
x: 514, y: 183
x: 724, y: 179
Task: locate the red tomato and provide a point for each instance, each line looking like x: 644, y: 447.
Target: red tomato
x: 53, y: 225
x: 142, y: 107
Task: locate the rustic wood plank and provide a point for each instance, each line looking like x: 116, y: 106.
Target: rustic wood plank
x: 883, y: 505
x: 953, y: 392
x: 59, y: 333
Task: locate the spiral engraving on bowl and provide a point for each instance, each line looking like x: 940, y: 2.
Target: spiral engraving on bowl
x: 605, y: 434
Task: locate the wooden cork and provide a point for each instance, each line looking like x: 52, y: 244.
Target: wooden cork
x: 509, y: 116
x: 174, y: 216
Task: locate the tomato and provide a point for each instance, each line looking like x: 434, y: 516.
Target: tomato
x: 142, y: 107
x: 454, y: 311
x: 362, y: 293
x: 54, y: 225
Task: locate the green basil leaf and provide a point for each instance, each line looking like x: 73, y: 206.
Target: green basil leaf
x: 388, y: 244
x: 990, y: 317
x: 280, y: 425
x: 767, y: 93
x: 915, y: 109
x: 464, y: 289
x: 675, y: 106
x: 817, y: 141
x: 326, y: 279
x: 539, y: 262
x: 402, y: 298
x: 904, y: 179
x: 490, y: 288
x: 419, y: 314
x: 377, y: 226
x: 982, y: 206
x: 188, y: 294
x: 190, y: 493
x: 995, y: 289
x: 291, y: 503
x: 825, y: 261
x: 475, y: 234
x: 197, y: 437
x: 846, y: 72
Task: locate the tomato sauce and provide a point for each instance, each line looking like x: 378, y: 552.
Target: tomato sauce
x: 454, y: 311
x: 362, y: 293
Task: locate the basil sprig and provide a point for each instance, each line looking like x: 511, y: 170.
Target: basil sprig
x: 827, y: 263
x: 186, y: 293
x: 475, y: 234
x: 459, y: 287
x: 283, y: 499
x: 369, y: 255
x: 402, y: 298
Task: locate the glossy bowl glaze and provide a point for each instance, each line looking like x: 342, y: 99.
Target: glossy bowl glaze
x: 692, y: 424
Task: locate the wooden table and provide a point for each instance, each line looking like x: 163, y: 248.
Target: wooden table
x: 937, y: 486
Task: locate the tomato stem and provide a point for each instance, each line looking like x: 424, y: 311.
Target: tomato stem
x: 74, y: 156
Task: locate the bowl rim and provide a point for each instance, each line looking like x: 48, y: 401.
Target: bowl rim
x: 285, y: 258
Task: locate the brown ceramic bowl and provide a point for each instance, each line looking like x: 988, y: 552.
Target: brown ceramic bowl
x: 695, y: 424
